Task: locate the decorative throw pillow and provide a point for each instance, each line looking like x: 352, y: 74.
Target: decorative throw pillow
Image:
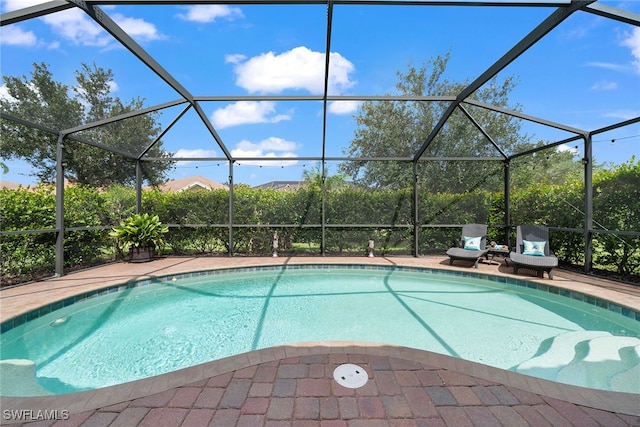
x: 472, y: 243
x: 533, y: 248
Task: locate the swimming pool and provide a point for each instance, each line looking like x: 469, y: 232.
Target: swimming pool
x: 147, y: 328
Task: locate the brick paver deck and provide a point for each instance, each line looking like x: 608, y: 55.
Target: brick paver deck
x: 399, y: 393
x: 294, y: 386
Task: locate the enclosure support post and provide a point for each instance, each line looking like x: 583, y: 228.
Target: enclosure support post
x: 323, y: 244
x: 588, y: 204
x: 60, y: 164
x: 416, y: 229
x: 507, y: 203
x: 230, y: 251
x: 138, y: 187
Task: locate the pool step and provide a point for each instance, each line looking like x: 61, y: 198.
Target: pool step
x: 561, y: 351
x: 591, y: 358
x: 606, y: 357
x: 19, y: 378
x: 628, y: 380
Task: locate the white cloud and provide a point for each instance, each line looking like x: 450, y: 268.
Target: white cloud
x: 4, y: 94
x: 200, y: 152
x: 15, y: 36
x: 75, y: 26
x: 565, y: 148
x: 633, y: 43
x: 10, y: 5
x: 343, y: 107
x: 137, y: 28
x: 209, y: 13
x: 604, y: 85
x: 270, y: 144
x: 606, y: 65
x: 299, y: 68
x: 246, y: 112
x: 622, y: 114
x: 235, y: 58
x: 113, y: 86
x: 271, y: 147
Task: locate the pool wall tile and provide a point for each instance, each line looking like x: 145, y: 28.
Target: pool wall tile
x: 41, y: 311
x: 44, y: 310
x: 615, y: 308
x: 6, y: 326
x: 19, y: 320
x: 577, y: 296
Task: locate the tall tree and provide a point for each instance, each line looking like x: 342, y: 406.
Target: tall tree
x: 313, y: 178
x: 400, y: 128
x: 43, y: 101
x: 550, y: 166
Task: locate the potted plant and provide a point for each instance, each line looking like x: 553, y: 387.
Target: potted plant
x: 141, y: 234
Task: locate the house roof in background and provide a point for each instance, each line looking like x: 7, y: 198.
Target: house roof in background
x: 192, y: 183
x: 10, y: 185
x: 281, y: 185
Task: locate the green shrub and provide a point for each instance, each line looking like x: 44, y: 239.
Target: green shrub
x: 139, y: 231
x: 198, y: 221
x: 27, y: 256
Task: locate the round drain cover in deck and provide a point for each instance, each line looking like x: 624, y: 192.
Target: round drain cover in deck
x: 350, y: 376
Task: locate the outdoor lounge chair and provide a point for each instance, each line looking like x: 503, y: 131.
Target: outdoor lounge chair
x: 532, y: 250
x: 472, y: 244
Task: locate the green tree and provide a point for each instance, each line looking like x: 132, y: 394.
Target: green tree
x: 550, y: 166
x: 313, y: 178
x: 616, y: 205
x: 43, y: 101
x: 400, y: 128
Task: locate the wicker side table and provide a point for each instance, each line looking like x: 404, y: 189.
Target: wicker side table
x: 498, y: 250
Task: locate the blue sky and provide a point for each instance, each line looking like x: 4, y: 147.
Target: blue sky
x: 585, y: 73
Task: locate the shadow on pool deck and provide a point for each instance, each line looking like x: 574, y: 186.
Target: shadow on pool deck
x: 293, y: 384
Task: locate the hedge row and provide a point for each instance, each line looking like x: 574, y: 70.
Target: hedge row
x: 199, y: 221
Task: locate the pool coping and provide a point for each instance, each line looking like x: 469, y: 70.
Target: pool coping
x: 22, y: 299
x: 621, y: 309
x: 623, y: 403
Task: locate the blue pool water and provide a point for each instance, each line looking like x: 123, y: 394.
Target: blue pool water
x: 161, y: 327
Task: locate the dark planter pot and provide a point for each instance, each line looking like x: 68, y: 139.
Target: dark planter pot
x: 141, y: 254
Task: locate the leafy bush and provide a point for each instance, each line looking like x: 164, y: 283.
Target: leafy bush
x: 616, y: 205
x: 140, y: 231
x: 85, y: 207
x: 33, y: 254
x: 199, y: 221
